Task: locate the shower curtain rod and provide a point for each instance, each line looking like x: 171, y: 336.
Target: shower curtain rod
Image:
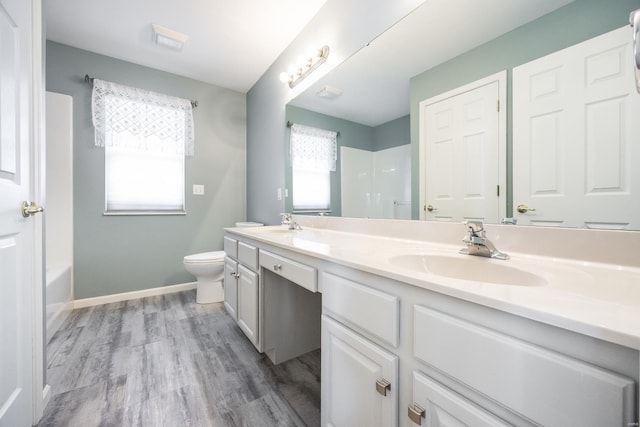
x: 89, y: 79
x: 289, y: 124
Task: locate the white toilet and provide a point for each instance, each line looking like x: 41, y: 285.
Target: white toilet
x: 208, y: 267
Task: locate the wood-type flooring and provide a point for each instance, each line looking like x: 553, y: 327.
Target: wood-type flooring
x: 168, y: 361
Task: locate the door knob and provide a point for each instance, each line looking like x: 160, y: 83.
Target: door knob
x: 524, y: 208
x: 430, y: 208
x: 29, y: 209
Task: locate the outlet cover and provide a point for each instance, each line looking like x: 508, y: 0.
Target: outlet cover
x: 198, y: 189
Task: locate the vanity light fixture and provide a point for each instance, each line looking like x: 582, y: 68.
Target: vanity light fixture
x: 304, y: 67
x: 168, y: 38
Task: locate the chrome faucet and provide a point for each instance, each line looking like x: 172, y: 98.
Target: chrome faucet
x: 478, y: 244
x: 287, y: 219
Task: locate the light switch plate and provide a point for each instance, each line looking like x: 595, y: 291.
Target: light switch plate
x: 198, y: 189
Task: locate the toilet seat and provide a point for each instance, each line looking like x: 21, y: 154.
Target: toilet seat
x: 205, y: 257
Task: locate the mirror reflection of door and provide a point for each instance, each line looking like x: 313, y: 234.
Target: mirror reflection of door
x: 575, y: 115
x: 463, y: 136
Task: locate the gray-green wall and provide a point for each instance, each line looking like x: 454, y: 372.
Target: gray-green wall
x: 392, y: 134
x: 115, y: 254
x: 569, y: 25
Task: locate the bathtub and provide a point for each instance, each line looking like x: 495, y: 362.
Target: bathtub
x: 59, y: 297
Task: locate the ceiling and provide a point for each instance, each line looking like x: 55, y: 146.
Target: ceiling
x: 375, y: 81
x: 231, y: 42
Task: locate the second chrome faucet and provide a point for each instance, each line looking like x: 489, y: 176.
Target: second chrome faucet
x: 478, y: 244
x: 287, y: 219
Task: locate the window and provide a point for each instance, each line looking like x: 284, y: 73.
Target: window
x: 313, y: 158
x: 146, y: 136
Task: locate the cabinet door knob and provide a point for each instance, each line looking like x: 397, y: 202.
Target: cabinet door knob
x: 416, y: 412
x: 382, y: 386
x: 277, y: 267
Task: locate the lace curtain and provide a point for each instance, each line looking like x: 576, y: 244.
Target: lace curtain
x: 159, y: 123
x: 313, y: 148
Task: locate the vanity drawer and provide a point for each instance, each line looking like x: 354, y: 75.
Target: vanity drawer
x: 298, y: 273
x: 368, y: 309
x: 544, y: 386
x: 248, y: 255
x: 231, y: 247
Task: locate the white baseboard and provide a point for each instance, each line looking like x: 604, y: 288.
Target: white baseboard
x: 125, y: 296
x: 46, y: 395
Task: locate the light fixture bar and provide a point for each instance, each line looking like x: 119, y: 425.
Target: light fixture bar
x: 303, y: 70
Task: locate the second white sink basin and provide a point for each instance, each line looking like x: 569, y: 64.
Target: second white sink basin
x: 470, y: 268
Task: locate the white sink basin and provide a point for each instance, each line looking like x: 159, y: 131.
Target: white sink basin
x: 470, y: 268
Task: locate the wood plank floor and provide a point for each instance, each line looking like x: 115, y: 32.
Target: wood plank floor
x: 167, y: 361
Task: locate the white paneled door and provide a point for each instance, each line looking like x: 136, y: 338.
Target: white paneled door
x: 575, y: 117
x: 463, y: 145
x: 17, y: 234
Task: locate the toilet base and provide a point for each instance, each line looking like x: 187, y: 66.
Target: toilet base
x: 209, y: 291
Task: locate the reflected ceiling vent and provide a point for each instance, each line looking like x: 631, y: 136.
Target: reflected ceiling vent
x: 168, y: 38
x: 329, y: 92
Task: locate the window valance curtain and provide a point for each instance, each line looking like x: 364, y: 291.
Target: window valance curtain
x: 313, y: 148
x: 160, y: 123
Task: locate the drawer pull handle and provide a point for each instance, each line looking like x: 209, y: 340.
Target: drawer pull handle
x: 416, y: 412
x: 277, y: 267
x: 382, y: 386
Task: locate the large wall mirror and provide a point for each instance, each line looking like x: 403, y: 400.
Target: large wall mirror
x: 373, y: 99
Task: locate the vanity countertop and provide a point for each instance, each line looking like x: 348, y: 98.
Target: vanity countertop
x: 595, y: 299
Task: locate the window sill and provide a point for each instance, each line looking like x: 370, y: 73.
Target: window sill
x: 143, y: 213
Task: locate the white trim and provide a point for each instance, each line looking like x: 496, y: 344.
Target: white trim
x: 501, y: 78
x: 46, y: 395
x: 39, y: 389
x: 125, y: 296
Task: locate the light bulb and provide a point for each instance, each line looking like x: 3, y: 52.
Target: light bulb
x: 284, y: 77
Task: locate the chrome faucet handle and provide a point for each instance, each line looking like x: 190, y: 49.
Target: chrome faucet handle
x: 286, y: 217
x: 476, y: 228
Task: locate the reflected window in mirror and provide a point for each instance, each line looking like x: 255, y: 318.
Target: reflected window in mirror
x: 313, y: 158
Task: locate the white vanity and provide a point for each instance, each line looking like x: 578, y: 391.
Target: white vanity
x: 534, y: 340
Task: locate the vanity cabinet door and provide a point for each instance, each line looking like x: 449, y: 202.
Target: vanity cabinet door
x: 231, y: 287
x: 443, y: 407
x: 354, y: 374
x: 248, y: 303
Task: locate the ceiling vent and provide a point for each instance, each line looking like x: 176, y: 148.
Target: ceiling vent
x: 329, y: 92
x: 168, y: 38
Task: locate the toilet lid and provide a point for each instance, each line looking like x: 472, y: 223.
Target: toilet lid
x: 205, y: 257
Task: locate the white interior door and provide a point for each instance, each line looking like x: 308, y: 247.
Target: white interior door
x: 463, y: 141
x: 17, y: 307
x: 575, y: 118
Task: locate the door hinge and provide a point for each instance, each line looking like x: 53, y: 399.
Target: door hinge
x: 498, y: 105
x: 498, y: 190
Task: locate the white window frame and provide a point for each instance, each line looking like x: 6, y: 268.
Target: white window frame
x: 313, y: 154
x: 146, y: 136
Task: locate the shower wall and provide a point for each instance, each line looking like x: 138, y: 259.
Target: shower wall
x: 59, y: 209
x: 376, y: 184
